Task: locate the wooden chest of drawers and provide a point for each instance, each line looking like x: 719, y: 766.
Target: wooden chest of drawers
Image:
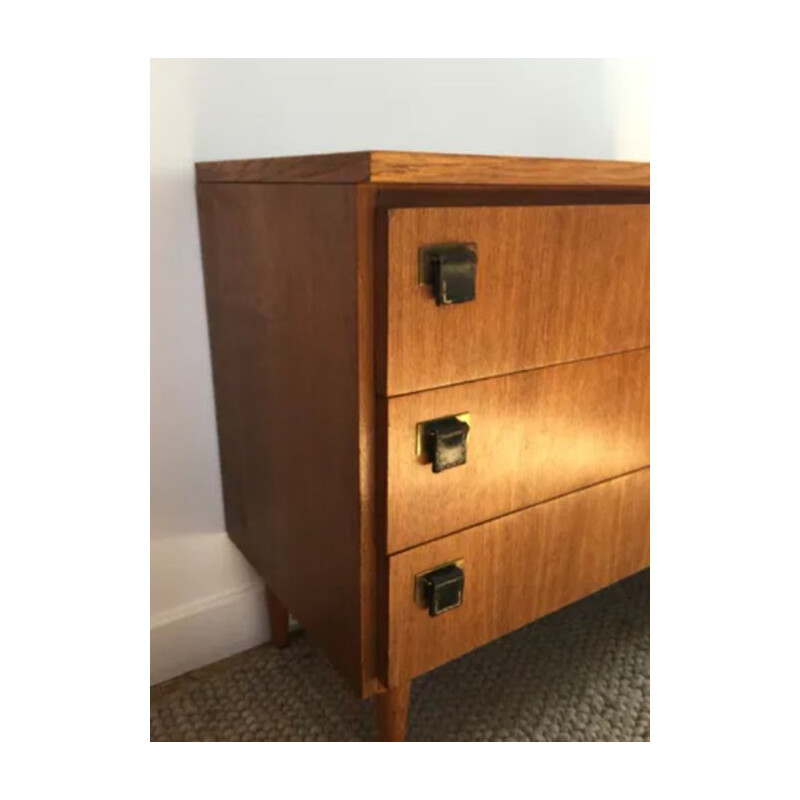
x: 432, y: 388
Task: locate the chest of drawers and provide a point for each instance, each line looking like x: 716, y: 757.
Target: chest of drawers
x: 431, y: 377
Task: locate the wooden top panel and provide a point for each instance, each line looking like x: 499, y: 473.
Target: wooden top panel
x: 388, y: 167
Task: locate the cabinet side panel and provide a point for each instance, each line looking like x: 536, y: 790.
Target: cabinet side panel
x: 370, y: 562
x: 280, y: 271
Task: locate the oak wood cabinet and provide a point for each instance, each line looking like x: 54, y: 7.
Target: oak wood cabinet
x: 431, y: 376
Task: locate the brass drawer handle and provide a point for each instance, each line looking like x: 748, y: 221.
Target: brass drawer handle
x: 450, y: 270
x: 440, y: 589
x: 443, y: 442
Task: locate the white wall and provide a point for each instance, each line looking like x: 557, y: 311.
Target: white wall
x: 205, y: 600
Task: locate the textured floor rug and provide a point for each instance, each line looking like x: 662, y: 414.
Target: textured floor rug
x: 579, y: 675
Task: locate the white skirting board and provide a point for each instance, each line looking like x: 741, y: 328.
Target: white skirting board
x: 207, y: 602
x: 200, y: 633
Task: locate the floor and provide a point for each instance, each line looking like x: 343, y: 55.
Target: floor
x: 579, y: 675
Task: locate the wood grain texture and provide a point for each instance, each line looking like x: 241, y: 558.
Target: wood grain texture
x: 305, y: 262
x: 399, y: 167
x: 372, y: 567
x: 553, y: 284
x: 282, y: 293
x: 392, y: 712
x: 278, y: 619
x: 325, y: 168
x: 516, y: 569
x: 533, y: 435
x: 389, y: 167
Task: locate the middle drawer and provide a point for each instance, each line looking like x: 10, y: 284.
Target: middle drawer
x: 532, y: 436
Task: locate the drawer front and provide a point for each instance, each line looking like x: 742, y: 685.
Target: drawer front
x: 516, y: 569
x: 533, y: 436
x: 552, y: 284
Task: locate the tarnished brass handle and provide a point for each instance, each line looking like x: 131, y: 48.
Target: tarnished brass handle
x: 450, y: 270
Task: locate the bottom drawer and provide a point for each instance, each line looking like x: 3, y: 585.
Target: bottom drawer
x: 517, y: 568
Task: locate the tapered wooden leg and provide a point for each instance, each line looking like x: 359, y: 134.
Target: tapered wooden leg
x: 278, y: 619
x: 392, y: 706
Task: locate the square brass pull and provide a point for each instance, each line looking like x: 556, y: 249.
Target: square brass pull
x: 440, y: 589
x: 443, y: 442
x: 450, y: 270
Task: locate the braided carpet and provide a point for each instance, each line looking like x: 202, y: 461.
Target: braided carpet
x: 579, y: 675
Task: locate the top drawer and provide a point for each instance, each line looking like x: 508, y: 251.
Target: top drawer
x: 552, y: 284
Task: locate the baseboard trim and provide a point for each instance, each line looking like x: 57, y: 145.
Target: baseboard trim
x: 200, y: 633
